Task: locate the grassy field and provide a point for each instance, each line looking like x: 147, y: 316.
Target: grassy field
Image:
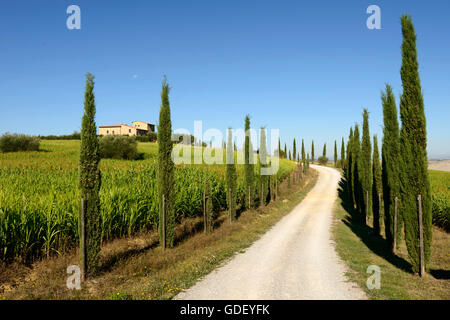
x: 359, y: 248
x: 39, y: 197
x: 137, y: 268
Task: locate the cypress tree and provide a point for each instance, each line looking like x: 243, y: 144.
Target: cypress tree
x: 366, y: 168
x: 231, y: 176
x: 263, y: 163
x: 290, y: 158
x: 349, y: 168
x: 390, y: 171
x: 285, y: 151
x: 90, y: 179
x: 166, y: 168
x: 312, y: 152
x: 413, y: 143
x: 335, y: 154
x: 324, y: 150
x: 303, y: 156
x: 376, y: 186
x: 294, y: 150
x: 279, y: 147
x: 356, y: 169
x: 248, y: 164
x: 307, y: 162
x: 343, y: 154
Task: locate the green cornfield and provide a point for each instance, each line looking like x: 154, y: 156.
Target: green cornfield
x: 40, y: 200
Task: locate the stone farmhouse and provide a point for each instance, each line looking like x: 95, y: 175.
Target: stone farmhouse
x: 139, y: 128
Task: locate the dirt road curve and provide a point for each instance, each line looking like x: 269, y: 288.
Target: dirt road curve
x: 294, y: 260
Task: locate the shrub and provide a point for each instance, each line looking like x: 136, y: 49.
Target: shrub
x: 18, y: 142
x: 118, y: 147
x: 74, y: 136
x: 323, y: 160
x: 149, y: 137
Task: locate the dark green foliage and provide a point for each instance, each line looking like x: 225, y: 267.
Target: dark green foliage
x: 294, y: 150
x: 166, y: 167
x: 118, y: 147
x: 335, y: 154
x: 90, y: 178
x: 149, y: 137
x: 343, y: 160
x: 290, y: 158
x: 349, y: 167
x: 376, y: 186
x: 323, y: 160
x: 366, y: 167
x: 307, y: 162
x: 248, y: 165
x: 324, y: 153
x: 413, y: 144
x: 231, y: 176
x: 312, y: 152
x: 263, y: 163
x: 391, y: 163
x: 18, y: 142
x: 285, y: 151
x: 356, y: 169
x: 303, y: 156
x: 74, y: 136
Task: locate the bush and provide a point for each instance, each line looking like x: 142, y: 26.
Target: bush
x: 18, y: 142
x: 149, y: 137
x: 74, y: 136
x: 323, y: 160
x: 118, y: 147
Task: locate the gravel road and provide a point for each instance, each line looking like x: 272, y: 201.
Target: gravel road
x: 295, y: 259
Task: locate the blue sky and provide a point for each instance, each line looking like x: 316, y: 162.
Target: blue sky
x: 307, y: 68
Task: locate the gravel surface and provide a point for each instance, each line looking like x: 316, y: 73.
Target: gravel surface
x: 295, y: 259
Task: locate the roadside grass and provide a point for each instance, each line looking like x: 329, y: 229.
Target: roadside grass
x: 138, y: 268
x: 359, y: 248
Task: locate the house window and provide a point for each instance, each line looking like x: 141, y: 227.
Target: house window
x: 107, y: 131
x: 113, y: 131
x: 129, y: 130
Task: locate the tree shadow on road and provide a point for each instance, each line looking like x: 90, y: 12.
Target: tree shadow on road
x: 376, y: 243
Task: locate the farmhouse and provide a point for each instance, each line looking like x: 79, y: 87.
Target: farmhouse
x: 139, y: 128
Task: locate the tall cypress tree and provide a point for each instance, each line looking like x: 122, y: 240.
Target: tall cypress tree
x: 335, y: 154
x: 324, y: 150
x: 303, y: 156
x: 413, y: 144
x: 376, y: 186
x: 290, y: 158
x: 231, y: 176
x: 166, y: 168
x: 349, y: 169
x: 263, y: 161
x: 356, y: 169
x: 285, y: 151
x: 312, y: 152
x: 248, y: 164
x: 294, y: 151
x: 342, y: 154
x: 90, y: 179
x: 366, y: 167
x: 279, y: 147
x: 390, y: 171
